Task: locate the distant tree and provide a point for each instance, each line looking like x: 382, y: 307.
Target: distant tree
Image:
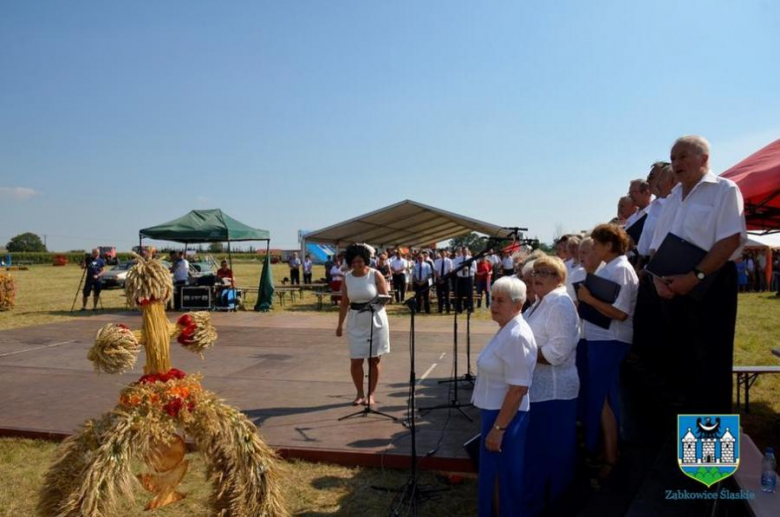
x: 216, y: 247
x: 25, y: 242
x: 472, y: 241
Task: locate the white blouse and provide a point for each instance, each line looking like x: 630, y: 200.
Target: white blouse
x: 555, y: 325
x: 620, y: 271
x: 508, y: 359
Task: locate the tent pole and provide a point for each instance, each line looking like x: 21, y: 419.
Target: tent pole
x: 230, y: 256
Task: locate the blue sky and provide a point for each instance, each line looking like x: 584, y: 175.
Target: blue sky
x: 298, y: 114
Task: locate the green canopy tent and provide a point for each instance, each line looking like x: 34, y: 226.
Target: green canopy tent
x: 199, y: 226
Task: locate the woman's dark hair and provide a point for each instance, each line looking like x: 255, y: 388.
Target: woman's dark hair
x: 357, y: 250
x: 611, y: 233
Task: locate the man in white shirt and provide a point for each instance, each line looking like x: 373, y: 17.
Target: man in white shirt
x: 442, y: 267
x: 181, y: 273
x: 640, y: 193
x: 295, y: 269
x: 307, y: 268
x: 421, y: 277
x: 507, y: 264
x: 626, y: 208
x: 661, y: 180
x: 705, y: 210
x: 464, y: 287
x: 398, y: 267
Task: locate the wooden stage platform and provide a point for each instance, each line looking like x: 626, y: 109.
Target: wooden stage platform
x: 288, y: 372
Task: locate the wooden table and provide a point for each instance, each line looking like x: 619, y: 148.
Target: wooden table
x: 746, y: 376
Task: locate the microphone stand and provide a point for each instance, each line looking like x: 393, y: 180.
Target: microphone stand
x: 368, y: 410
x: 455, y: 403
x: 411, y: 493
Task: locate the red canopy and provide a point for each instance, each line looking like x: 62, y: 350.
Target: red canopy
x: 758, y: 177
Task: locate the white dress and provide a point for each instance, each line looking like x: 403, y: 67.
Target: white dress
x: 361, y: 289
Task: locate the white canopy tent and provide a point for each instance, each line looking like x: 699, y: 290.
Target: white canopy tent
x: 763, y: 240
x: 407, y: 223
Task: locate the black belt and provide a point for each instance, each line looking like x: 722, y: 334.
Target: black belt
x: 358, y: 306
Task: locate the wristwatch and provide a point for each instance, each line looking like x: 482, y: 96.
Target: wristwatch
x: 499, y: 428
x: 699, y: 274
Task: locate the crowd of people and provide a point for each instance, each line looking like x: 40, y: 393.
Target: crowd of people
x: 555, y: 363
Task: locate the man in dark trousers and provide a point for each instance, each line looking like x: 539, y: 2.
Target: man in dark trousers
x: 442, y: 267
x: 705, y: 210
x: 94, y: 270
x: 464, y: 288
x: 421, y: 277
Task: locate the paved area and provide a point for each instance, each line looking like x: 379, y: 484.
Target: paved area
x: 288, y: 372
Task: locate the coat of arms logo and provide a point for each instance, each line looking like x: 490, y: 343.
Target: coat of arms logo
x: 708, y: 446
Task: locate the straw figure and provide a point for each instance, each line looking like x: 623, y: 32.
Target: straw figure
x: 93, y: 468
x: 7, y: 292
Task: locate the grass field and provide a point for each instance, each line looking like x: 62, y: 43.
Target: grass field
x: 46, y: 293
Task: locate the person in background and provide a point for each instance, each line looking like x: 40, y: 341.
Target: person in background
x: 482, y: 278
x: 368, y: 332
x: 561, y: 249
x: 641, y: 195
x: 464, y: 287
x: 307, y: 269
x: 422, y: 274
x: 398, y: 266
x: 383, y: 266
x: 336, y: 279
x: 94, y: 269
x: 551, y: 442
x: 626, y: 208
x: 507, y: 264
x: 661, y: 180
x: 573, y: 247
x: 761, y: 271
x: 225, y: 274
x: 441, y: 268
x: 328, y: 266
x: 590, y: 263
x: 505, y: 370
x: 751, y: 270
x: 608, y: 347
x: 295, y: 269
x: 742, y: 275
x: 181, y: 274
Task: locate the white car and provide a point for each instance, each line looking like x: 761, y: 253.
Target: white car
x: 115, y: 277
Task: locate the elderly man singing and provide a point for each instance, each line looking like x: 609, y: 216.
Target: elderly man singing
x: 706, y: 210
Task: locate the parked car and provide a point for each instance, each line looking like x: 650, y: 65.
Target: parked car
x: 115, y: 277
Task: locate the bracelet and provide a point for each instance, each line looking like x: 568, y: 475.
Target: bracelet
x: 499, y: 428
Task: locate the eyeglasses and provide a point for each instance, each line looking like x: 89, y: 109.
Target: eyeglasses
x: 543, y: 273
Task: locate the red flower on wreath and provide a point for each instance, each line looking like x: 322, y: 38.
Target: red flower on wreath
x: 188, y: 329
x: 171, y: 374
x: 173, y: 406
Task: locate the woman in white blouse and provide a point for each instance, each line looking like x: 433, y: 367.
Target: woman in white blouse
x: 504, y: 372
x: 607, y: 347
x: 552, y: 431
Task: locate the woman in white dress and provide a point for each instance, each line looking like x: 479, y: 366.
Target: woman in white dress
x: 361, y: 285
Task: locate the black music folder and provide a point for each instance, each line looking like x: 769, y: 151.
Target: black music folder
x: 635, y: 230
x: 602, y: 289
x: 676, y: 256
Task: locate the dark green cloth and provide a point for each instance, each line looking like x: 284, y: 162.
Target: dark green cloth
x: 265, y: 291
x: 205, y: 226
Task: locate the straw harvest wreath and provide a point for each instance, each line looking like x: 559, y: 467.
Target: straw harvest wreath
x: 94, y: 467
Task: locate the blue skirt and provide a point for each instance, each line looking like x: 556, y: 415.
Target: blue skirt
x: 551, y: 446
x: 506, y: 465
x: 604, y: 358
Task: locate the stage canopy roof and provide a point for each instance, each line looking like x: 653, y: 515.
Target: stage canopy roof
x: 205, y: 226
x: 758, y: 177
x: 407, y: 223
